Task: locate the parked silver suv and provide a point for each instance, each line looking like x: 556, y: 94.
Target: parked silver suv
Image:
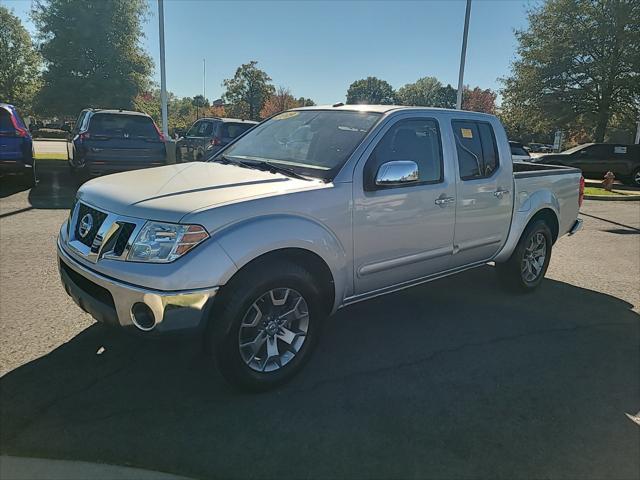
x: 208, y: 135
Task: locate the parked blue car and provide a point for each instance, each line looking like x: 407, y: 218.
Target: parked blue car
x: 107, y: 141
x: 16, y: 145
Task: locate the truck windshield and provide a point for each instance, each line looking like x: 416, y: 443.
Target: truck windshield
x: 315, y: 143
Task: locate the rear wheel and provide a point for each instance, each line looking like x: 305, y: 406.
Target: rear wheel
x: 526, y: 267
x: 267, y: 325
x: 634, y: 180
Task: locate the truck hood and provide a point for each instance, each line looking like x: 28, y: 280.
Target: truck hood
x: 171, y: 192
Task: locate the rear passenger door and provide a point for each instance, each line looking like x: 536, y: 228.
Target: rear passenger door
x: 484, y: 197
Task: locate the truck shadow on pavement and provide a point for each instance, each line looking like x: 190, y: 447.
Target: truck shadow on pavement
x: 451, y: 379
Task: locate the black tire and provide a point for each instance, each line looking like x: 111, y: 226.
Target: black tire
x: 29, y: 177
x: 634, y: 179
x: 511, y: 274
x: 236, y: 300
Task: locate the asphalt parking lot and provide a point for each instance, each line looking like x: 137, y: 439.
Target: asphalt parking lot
x: 453, y: 379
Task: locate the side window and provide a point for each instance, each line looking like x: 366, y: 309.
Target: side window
x: 415, y: 140
x: 193, y: 131
x: 477, y: 149
x: 206, y: 130
x: 78, y: 125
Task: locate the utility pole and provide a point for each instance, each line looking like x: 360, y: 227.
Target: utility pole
x: 463, y: 54
x: 163, y: 78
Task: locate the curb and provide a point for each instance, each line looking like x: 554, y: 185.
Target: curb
x: 28, y: 468
x: 613, y: 198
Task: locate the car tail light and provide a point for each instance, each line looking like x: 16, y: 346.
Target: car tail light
x: 160, y: 134
x: 20, y: 131
x: 84, y: 135
x: 581, y: 192
x: 215, y: 141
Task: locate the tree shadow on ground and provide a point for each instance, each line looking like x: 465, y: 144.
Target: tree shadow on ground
x: 448, y: 380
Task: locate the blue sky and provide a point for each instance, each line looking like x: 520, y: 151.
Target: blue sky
x: 318, y: 48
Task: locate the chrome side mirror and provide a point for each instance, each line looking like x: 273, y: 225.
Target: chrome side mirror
x: 398, y: 172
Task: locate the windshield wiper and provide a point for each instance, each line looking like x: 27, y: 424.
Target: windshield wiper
x: 263, y: 165
x: 236, y: 161
x: 280, y: 169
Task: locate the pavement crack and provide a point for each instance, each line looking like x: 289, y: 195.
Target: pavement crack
x: 458, y: 348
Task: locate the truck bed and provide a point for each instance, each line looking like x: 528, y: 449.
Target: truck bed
x: 525, y: 169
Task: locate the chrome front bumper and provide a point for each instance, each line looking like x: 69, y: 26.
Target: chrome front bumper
x: 111, y: 301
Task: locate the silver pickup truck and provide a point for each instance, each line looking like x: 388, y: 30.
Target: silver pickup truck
x: 309, y: 211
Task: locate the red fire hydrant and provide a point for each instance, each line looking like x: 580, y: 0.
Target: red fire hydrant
x: 609, y: 178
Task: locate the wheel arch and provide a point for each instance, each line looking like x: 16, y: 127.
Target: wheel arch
x: 550, y: 218
x: 310, y: 261
x: 300, y: 239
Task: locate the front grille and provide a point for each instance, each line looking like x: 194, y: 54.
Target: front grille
x: 98, y: 218
x: 124, y: 232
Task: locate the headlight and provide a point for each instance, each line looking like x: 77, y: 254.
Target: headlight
x: 164, y: 242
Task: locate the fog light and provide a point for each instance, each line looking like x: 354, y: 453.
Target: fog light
x: 143, y: 316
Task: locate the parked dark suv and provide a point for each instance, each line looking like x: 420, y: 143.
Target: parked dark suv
x: 107, y: 141
x: 596, y: 159
x: 208, y: 135
x: 16, y: 146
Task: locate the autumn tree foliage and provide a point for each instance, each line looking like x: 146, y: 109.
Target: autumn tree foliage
x: 479, y: 100
x: 281, y: 100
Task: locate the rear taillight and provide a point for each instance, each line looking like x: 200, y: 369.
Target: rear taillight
x: 215, y: 141
x: 581, y: 192
x: 84, y: 135
x: 160, y: 134
x: 20, y: 131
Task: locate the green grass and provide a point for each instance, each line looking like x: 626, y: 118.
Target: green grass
x: 600, y: 191
x: 51, y: 156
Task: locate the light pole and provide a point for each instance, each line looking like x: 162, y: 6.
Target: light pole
x: 463, y: 54
x: 163, y: 78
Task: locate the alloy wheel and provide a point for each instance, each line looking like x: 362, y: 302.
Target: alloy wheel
x: 273, y: 329
x: 534, y: 258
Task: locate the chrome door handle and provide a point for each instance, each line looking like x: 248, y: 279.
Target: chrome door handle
x: 500, y: 193
x: 443, y: 201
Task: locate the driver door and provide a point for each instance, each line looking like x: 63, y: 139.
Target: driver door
x: 403, y: 231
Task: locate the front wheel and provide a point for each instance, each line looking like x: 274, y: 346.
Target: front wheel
x: 266, y: 325
x: 526, y: 267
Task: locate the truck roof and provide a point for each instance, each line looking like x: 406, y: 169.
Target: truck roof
x: 387, y: 108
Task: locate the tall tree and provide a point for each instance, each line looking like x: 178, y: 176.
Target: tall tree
x: 19, y: 62
x: 479, y: 100
x: 247, y: 92
x: 371, y: 90
x: 92, y: 52
x: 305, y: 102
x: 425, y: 92
x: 281, y: 100
x: 578, y: 63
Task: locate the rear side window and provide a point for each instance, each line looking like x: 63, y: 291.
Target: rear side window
x: 414, y: 140
x: 122, y: 126
x: 477, y: 149
x: 515, y: 150
x: 5, y: 121
x: 233, y: 130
